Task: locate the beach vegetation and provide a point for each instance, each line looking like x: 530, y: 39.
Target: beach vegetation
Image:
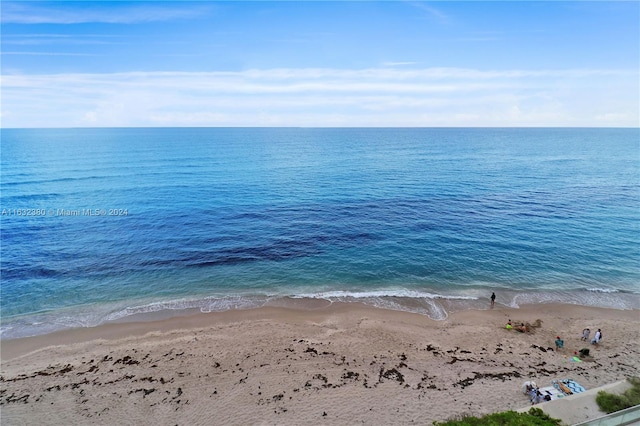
x: 534, y: 417
x: 610, y: 403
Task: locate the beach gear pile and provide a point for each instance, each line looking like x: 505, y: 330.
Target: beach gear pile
x: 560, y: 389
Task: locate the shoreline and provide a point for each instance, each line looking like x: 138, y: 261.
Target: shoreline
x: 341, y: 364
x: 435, y: 305
x: 185, y: 320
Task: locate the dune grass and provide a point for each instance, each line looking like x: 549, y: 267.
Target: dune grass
x: 610, y: 403
x: 534, y: 417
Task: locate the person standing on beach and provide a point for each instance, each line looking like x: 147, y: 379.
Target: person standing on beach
x: 493, y: 299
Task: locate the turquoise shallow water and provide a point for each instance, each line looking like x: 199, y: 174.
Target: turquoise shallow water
x: 101, y: 224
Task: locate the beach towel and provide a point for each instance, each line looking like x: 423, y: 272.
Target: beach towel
x: 568, y: 386
x: 573, y: 386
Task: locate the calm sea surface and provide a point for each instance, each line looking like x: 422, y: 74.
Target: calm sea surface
x: 101, y: 225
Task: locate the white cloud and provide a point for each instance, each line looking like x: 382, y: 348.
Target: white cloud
x: 72, y: 13
x: 397, y: 64
x: 614, y: 117
x: 325, y: 97
x: 432, y: 12
x: 26, y: 53
x: 52, y: 39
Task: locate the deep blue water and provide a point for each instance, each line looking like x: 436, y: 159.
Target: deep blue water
x: 100, y: 224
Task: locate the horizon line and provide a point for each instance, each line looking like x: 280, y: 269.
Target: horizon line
x: 318, y: 127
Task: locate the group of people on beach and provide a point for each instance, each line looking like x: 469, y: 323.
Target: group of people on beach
x: 586, y: 333
x: 522, y: 328
x: 585, y: 338
x: 596, y: 337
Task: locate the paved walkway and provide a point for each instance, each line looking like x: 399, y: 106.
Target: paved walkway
x: 579, y: 407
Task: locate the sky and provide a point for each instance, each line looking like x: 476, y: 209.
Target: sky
x: 320, y: 64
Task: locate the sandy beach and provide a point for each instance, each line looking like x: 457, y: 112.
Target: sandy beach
x: 339, y: 365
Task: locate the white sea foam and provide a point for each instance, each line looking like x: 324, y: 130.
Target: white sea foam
x: 599, y: 298
x: 204, y: 305
x: 148, y: 308
x: 226, y: 303
x: 414, y: 294
x: 50, y: 322
x: 604, y: 290
x: 421, y: 302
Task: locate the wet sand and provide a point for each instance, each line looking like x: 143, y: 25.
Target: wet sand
x: 339, y: 365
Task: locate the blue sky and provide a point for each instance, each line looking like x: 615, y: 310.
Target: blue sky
x: 361, y: 63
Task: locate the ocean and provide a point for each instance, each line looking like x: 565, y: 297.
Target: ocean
x: 112, y: 224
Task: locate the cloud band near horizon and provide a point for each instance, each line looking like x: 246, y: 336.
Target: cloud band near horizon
x: 387, y: 97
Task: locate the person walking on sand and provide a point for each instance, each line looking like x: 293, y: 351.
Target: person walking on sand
x: 585, y: 334
x: 493, y: 299
x: 596, y: 339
